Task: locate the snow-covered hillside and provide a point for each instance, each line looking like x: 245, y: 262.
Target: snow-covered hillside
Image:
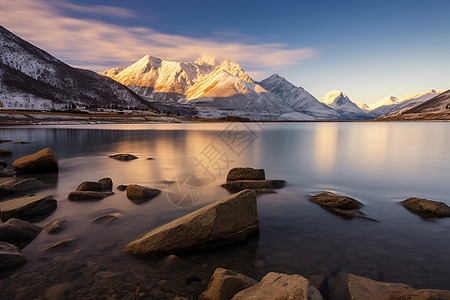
x: 340, y: 102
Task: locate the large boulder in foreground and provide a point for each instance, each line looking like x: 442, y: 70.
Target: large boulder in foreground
x: 281, y: 286
x: 26, y: 208
x: 246, y: 174
x: 361, y: 288
x: 10, y: 256
x: 427, y: 208
x: 226, y: 221
x: 140, y: 194
x: 332, y: 200
x: 18, y: 232
x: 42, y: 161
x: 224, y: 284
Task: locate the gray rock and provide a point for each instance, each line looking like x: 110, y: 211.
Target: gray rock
x: 108, y: 218
x: 140, y: 194
x: 5, y: 152
x: 280, y: 286
x: 3, y: 164
x: 7, y: 173
x: 44, y: 160
x: 224, y: 284
x: 22, y: 186
x: 427, y: 208
x: 55, y: 226
x: 57, y: 292
x: 61, y: 244
x: 88, y: 195
x: 246, y: 174
x: 28, y: 207
x: 229, y: 220
x: 239, y: 185
x: 18, y: 232
x: 10, y: 256
x: 122, y: 187
x: 123, y: 157
x: 332, y: 200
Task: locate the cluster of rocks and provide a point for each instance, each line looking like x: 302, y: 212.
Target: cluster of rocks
x: 239, y: 179
x: 225, y: 285
x: 91, y: 190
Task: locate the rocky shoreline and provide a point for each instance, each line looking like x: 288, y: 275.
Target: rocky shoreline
x: 218, y: 225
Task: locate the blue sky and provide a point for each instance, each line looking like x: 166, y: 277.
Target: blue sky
x: 369, y: 50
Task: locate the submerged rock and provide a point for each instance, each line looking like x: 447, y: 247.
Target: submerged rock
x: 332, y: 200
x: 61, y: 244
x: 44, y: 160
x: 140, y: 194
x: 57, y: 292
x: 28, y: 207
x: 122, y: 187
x: 361, y: 288
x: 5, y: 152
x: 18, y: 232
x: 281, y: 286
x: 246, y: 174
x: 108, y: 218
x: 3, y: 164
x: 10, y: 256
x: 55, y: 226
x: 226, y: 221
x: 88, y: 195
x: 427, y: 208
x: 224, y: 284
x: 123, y: 157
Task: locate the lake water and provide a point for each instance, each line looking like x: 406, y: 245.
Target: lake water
x: 380, y: 164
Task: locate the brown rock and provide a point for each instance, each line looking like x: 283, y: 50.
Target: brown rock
x: 108, y: 218
x: 61, y: 244
x: 224, y: 284
x: 246, y: 174
x: 18, y: 232
x: 226, y: 221
x: 89, y: 186
x: 26, y: 208
x: 426, y: 294
x: 88, y: 195
x: 106, y: 183
x: 141, y: 194
x: 332, y: 200
x: 57, y: 292
x: 427, y: 208
x: 281, y: 286
x: 239, y: 185
x: 10, y: 256
x: 5, y: 152
x: 55, y: 226
x: 123, y: 157
x: 3, y: 164
x: 21, y: 186
x: 361, y: 288
x: 44, y: 160
x: 7, y: 173
x: 122, y: 187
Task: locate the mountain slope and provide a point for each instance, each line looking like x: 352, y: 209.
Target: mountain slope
x: 32, y: 78
x: 437, y: 108
x: 339, y: 101
x: 409, y: 100
x: 298, y: 98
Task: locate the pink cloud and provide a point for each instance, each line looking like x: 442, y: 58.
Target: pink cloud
x: 89, y: 42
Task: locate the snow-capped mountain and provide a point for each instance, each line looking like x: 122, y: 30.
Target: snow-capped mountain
x: 31, y: 78
x: 340, y: 102
x: 363, y: 106
x: 409, y: 101
x: 298, y: 98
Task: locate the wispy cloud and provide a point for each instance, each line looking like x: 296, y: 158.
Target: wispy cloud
x: 90, y: 42
x: 94, y: 9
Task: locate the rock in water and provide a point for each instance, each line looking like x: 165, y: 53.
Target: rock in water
x: 3, y: 164
x: 224, y: 284
x: 246, y: 174
x: 226, y: 221
x: 123, y: 157
x: 239, y: 185
x: 26, y: 208
x: 88, y: 195
x: 332, y: 200
x: 427, y: 208
x: 281, y: 286
x: 140, y: 194
x: 10, y: 256
x: 44, y: 160
x: 104, y: 184
x: 5, y: 152
x: 55, y: 226
x: 18, y: 232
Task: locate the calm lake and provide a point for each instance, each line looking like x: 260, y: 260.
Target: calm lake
x: 379, y: 164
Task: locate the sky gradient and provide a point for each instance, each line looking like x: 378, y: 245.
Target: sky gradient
x: 369, y: 50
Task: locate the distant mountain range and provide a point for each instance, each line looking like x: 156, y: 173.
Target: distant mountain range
x: 33, y: 79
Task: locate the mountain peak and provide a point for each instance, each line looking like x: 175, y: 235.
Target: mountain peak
x: 207, y: 60
x: 331, y: 96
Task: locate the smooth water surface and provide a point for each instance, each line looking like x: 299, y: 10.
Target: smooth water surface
x: 380, y: 164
